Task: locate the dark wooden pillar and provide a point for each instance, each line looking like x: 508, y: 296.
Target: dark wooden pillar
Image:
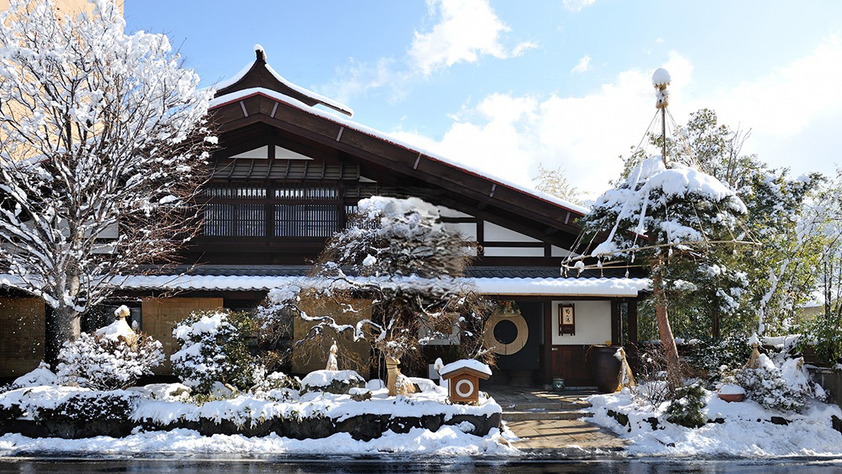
x: 631, y: 344
x: 548, y: 343
x: 616, y: 331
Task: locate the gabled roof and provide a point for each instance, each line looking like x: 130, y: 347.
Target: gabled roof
x: 261, y: 75
x: 257, y: 98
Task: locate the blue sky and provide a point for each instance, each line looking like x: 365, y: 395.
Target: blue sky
x: 506, y: 85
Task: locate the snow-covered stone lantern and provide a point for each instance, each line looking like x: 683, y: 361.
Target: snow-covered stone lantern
x: 462, y: 379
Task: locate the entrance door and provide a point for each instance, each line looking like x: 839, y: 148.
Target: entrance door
x: 569, y: 362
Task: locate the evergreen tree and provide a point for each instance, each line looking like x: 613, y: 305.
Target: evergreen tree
x: 663, y: 216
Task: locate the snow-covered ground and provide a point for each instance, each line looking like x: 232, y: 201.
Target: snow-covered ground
x: 447, y: 441
x: 164, y: 403
x: 746, y: 430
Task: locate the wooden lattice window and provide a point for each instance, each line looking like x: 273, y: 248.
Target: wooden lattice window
x: 234, y: 211
x: 305, y: 220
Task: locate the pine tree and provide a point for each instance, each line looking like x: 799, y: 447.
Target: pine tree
x: 663, y: 216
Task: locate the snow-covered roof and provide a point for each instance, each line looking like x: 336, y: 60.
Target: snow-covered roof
x: 345, y: 122
x: 261, y: 55
x: 465, y: 364
x: 561, y: 287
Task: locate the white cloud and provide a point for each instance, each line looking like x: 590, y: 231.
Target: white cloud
x: 577, y: 5
x: 794, y: 113
x: 508, y: 136
x: 583, y: 66
x: 358, y: 79
x: 785, y: 101
x: 521, y: 48
x: 786, y: 108
x: 463, y: 31
x: 466, y: 30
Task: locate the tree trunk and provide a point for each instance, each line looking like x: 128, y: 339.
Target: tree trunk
x: 664, y: 329
x: 64, y: 325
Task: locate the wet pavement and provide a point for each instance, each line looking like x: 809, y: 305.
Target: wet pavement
x: 411, y: 465
x: 554, y: 424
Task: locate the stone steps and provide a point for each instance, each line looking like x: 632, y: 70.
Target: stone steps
x: 555, y: 406
x: 524, y: 415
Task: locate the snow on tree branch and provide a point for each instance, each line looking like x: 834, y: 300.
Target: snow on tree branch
x: 102, y: 151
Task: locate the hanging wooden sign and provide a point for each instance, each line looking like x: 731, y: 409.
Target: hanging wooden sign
x: 566, y: 319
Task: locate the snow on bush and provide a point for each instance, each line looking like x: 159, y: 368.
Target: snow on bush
x: 213, y: 347
x: 274, y: 381
x: 774, y: 388
x: 332, y: 381
x: 42, y: 375
x: 112, y: 358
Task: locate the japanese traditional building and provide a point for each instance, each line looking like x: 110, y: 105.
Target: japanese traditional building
x: 291, y: 166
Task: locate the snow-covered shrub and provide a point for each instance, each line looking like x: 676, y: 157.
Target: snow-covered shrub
x: 332, y: 381
x: 213, y: 347
x: 767, y: 386
x: 686, y: 408
x: 42, y: 375
x: 275, y: 381
x: 112, y: 358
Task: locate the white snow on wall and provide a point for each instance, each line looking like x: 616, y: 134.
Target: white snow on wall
x: 448, y: 212
x: 560, y: 252
x: 593, y: 323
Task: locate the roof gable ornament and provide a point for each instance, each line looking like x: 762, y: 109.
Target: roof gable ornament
x: 260, y: 76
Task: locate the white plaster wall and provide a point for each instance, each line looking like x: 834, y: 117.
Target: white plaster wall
x: 593, y: 323
x: 448, y: 212
x: 560, y: 252
x: 513, y: 251
x: 495, y: 233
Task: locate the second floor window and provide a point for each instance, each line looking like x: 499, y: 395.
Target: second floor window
x: 303, y: 210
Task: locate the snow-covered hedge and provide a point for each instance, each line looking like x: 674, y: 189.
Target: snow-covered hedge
x: 112, y: 358
x: 213, y: 347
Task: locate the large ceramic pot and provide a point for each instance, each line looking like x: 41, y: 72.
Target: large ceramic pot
x: 606, y: 367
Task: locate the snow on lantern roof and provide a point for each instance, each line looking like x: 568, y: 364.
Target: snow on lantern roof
x: 260, y: 61
x: 454, y: 368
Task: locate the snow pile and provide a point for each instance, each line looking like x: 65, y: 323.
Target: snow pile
x: 42, y: 375
x: 321, y: 378
x: 116, y: 330
x: 448, y: 441
x: 734, y: 429
x: 661, y: 77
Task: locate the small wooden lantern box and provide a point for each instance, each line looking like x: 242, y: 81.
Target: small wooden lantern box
x: 463, y: 381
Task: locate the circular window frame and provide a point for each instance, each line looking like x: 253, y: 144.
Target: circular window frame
x: 513, y: 347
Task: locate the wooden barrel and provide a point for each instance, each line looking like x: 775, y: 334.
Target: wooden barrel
x: 606, y: 367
